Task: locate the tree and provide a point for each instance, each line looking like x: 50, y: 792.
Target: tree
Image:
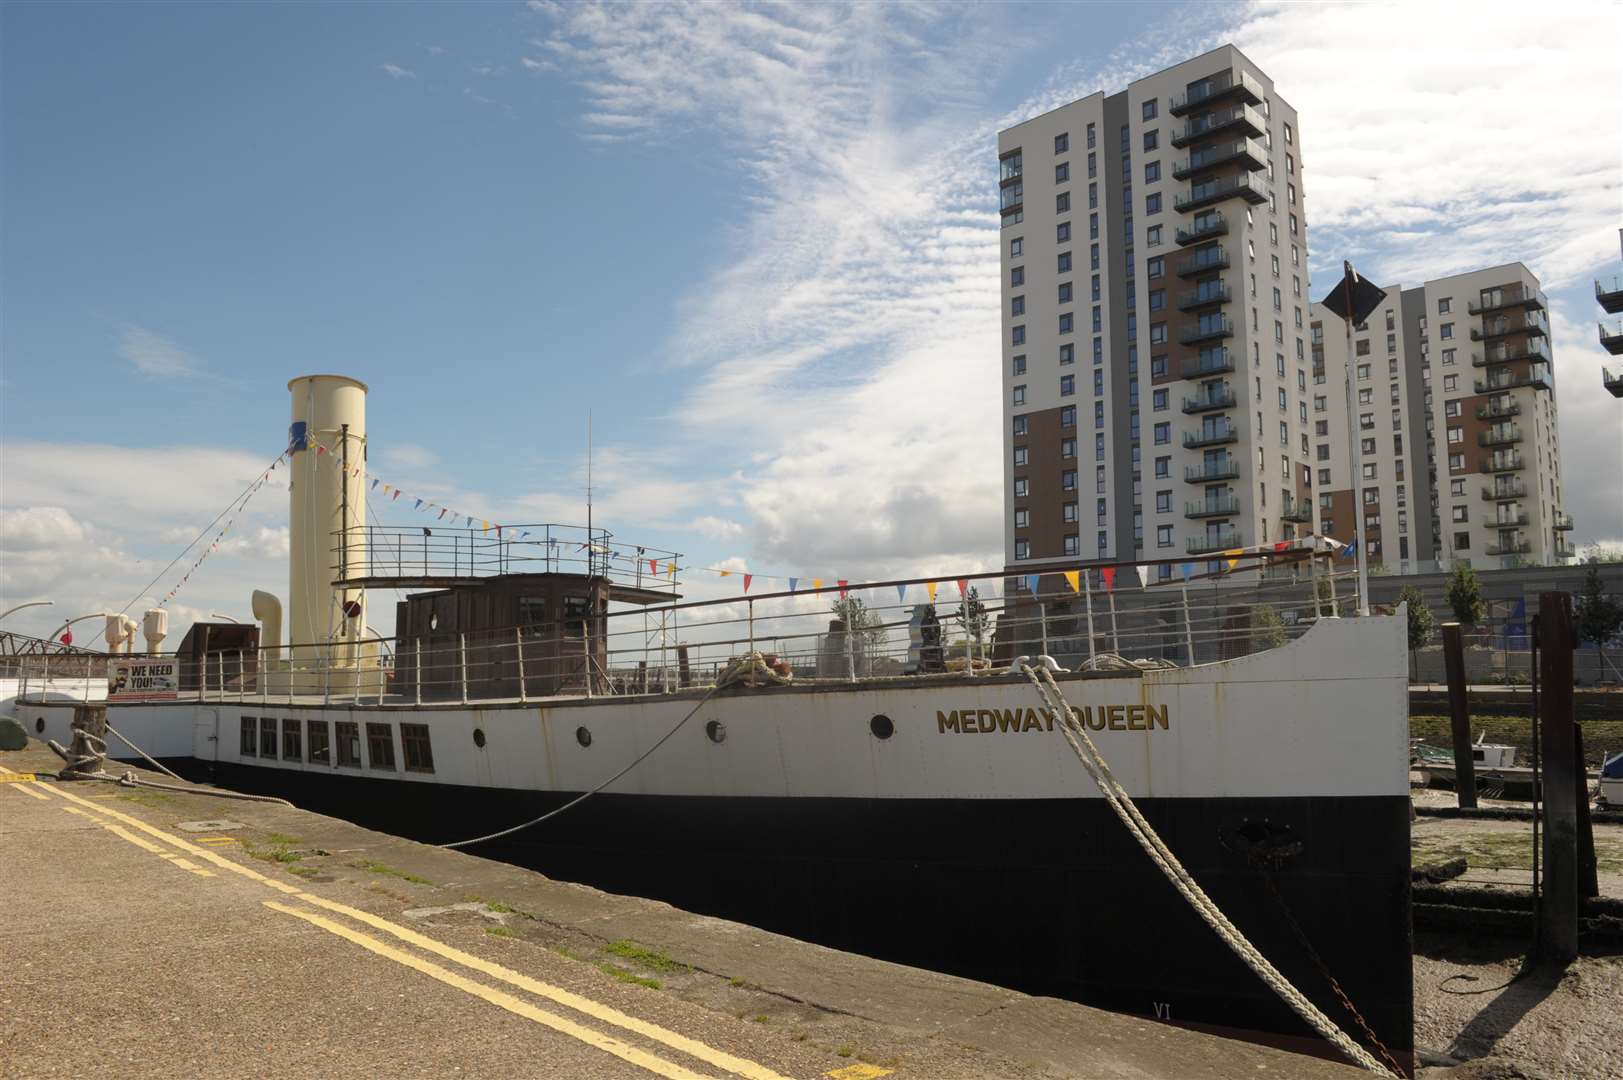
x: 1421, y: 621
x: 1599, y: 616
x: 1268, y: 627
x: 862, y: 626
x: 972, y: 614
x: 1464, y: 595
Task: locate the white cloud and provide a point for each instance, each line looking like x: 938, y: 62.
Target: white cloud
x: 395, y: 71
x: 860, y: 297
x: 410, y: 456
x: 436, y: 50
x: 153, y: 354
x: 532, y: 64
x: 716, y: 528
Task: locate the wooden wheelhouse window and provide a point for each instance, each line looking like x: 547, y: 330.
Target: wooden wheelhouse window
x: 267, y: 737
x: 250, y: 737
x: 320, y: 754
x: 348, y: 736
x: 292, y: 740
x: 380, y: 746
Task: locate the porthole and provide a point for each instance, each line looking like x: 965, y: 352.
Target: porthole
x: 39, y: 725
x: 716, y: 731
x: 479, y: 737
x: 583, y: 736
x: 881, y: 727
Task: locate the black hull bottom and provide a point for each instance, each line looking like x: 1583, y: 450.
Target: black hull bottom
x: 1048, y: 897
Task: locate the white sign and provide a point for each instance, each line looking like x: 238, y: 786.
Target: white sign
x: 142, y: 679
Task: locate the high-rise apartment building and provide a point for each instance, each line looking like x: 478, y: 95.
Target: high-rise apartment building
x: 1457, y: 454
x: 1609, y: 295
x: 1155, y: 321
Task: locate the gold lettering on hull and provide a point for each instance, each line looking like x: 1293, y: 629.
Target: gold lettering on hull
x: 976, y: 721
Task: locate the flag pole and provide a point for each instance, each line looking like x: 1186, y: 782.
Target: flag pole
x: 1355, y: 450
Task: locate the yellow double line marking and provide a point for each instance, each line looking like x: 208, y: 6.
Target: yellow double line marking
x: 604, y: 1013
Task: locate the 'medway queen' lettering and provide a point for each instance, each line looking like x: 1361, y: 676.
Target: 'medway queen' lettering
x: 1114, y: 717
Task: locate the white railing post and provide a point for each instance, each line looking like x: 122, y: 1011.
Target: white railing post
x: 751, y: 606
x: 259, y: 677
x: 1042, y: 619
x: 850, y: 656
x: 586, y: 649
x: 417, y: 669
x: 242, y: 678
x: 45, y: 678
x: 1188, y: 627
x: 326, y: 674
x: 1115, y: 637
x: 518, y: 643
x: 221, y: 668
x: 462, y: 663
x: 1087, y: 594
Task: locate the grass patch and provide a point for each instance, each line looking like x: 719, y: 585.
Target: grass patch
x: 153, y: 799
x: 652, y: 959
x: 1499, y: 851
x: 499, y: 931
x: 567, y: 953
x: 846, y: 1051
x: 759, y: 1018
x: 303, y: 871
x: 628, y: 976
x: 381, y: 890
x: 374, y: 867
x: 1517, y: 731
x: 282, y: 839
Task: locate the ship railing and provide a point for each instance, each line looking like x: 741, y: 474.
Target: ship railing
x: 873, y: 631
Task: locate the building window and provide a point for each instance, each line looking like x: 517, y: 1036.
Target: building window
x: 1067, y: 416
x: 1163, y: 467
x: 1151, y: 140
x: 291, y: 750
x: 1071, y: 544
x: 1022, y: 549
x: 1017, y: 276
x: 1062, y: 232
x: 1021, y: 487
x: 317, y: 730
x: 1152, y: 236
x: 1018, y: 365
x: 267, y: 738
x: 1062, y: 142
x: 1017, y: 247
x: 1067, y: 448
x: 1020, y: 456
x: 1152, y: 172
x: 1019, y: 395
x: 1017, y: 305
x: 1462, y: 541
x: 1065, y: 292
x: 1066, y: 321
x: 1163, y: 434
x: 1068, y: 513
x: 380, y: 746
x: 1062, y: 172
x: 1163, y: 536
x: 1067, y: 385
x: 1158, y: 400
x: 1018, y: 335
x: 1158, y: 367
x: 1152, y: 203
x: 415, y: 746
x: 1460, y: 513
x: 1020, y: 425
x: 1446, y: 331
x: 348, y: 736
x: 1062, y: 203
x: 250, y: 738
x: 1067, y: 480
x: 1444, y: 305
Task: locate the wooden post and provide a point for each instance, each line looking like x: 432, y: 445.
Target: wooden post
x: 1588, y: 871
x: 684, y: 673
x: 89, y: 744
x: 1558, y: 922
x: 1459, y: 711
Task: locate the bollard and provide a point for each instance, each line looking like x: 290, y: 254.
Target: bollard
x: 87, y: 754
x: 1558, y: 915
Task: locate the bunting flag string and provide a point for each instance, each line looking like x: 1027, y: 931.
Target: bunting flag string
x: 656, y: 567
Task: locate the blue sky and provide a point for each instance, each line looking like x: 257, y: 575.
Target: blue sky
x: 759, y: 243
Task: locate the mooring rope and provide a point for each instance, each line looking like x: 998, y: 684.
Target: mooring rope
x: 88, y: 761
x: 1083, y: 746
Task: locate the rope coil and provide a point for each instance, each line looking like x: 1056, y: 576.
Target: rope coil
x: 1088, y: 754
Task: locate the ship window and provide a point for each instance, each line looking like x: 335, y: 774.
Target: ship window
x: 348, y: 735
x: 532, y: 615
x: 583, y: 736
x: 267, y: 737
x: 882, y: 727
x: 479, y: 737
x: 415, y: 747
x: 250, y: 740
x: 716, y: 731
x: 291, y: 740
x: 575, y: 609
x: 380, y: 746
x: 317, y: 730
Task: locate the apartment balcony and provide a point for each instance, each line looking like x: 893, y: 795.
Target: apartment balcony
x: 1531, y: 349
x: 1209, y: 328
x: 1508, y: 299
x: 1517, y: 546
x: 1505, y: 492
x: 1608, y: 294
x: 1247, y: 152
x: 1209, y: 472
x: 1500, y: 435
x: 1611, y: 337
x: 1207, y: 227
x: 1613, y: 383
x: 1509, y: 521
x: 1562, y: 522
x: 1237, y: 119
x: 1509, y: 461
x: 1297, y: 510
x: 1247, y: 186
x: 1211, y: 292
x: 1231, y: 85
x: 1215, y: 540
x: 1536, y: 377
x: 1217, y: 361
x: 1203, y: 261
x: 1562, y: 549
x: 1209, y: 401
x: 1533, y: 323
x: 1213, y: 506
x: 1499, y: 412
x: 1210, y: 435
